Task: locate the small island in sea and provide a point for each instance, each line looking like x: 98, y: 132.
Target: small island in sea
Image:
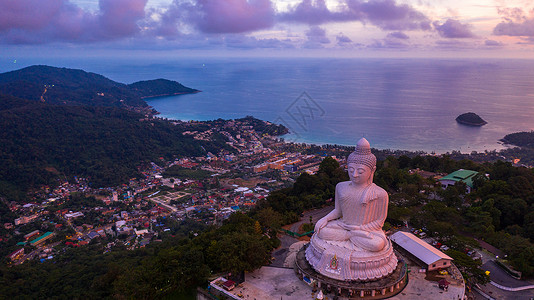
x: 470, y: 119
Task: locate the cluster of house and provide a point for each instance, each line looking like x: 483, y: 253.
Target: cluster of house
x: 289, y: 162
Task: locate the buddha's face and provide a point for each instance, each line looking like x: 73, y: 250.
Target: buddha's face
x: 360, y: 174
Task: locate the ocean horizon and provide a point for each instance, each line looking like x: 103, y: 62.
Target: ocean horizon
x: 404, y: 104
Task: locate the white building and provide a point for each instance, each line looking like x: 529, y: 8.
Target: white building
x: 74, y: 215
x: 432, y: 257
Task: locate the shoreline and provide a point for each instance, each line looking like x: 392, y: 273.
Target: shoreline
x: 169, y: 95
x: 312, y: 142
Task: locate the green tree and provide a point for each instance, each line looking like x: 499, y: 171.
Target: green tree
x: 480, y: 221
x: 237, y: 252
x: 470, y: 268
x: 269, y: 218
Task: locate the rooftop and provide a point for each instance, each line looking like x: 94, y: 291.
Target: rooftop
x: 41, y: 237
x: 419, y: 248
x: 465, y: 176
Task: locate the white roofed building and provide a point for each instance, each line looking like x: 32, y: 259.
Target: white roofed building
x: 430, y: 256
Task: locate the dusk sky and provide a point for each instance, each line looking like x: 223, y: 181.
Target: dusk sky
x: 344, y: 28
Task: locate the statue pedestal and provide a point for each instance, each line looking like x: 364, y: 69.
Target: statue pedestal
x: 382, y: 288
x: 343, y: 263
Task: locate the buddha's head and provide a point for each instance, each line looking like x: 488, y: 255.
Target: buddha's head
x: 361, y: 164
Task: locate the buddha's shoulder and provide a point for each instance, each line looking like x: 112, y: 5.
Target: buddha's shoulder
x: 343, y: 183
x: 345, y: 186
x: 380, y: 192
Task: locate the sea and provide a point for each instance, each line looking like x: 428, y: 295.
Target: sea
x: 398, y: 104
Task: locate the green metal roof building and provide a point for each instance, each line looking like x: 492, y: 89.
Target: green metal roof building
x: 465, y: 176
x: 42, y: 238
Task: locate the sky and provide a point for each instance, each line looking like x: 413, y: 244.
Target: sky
x: 329, y: 28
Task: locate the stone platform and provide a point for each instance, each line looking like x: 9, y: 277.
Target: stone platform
x: 382, y: 288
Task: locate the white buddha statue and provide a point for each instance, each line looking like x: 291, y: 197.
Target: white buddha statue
x: 349, y: 243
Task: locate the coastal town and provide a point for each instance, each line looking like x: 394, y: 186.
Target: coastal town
x: 205, y: 189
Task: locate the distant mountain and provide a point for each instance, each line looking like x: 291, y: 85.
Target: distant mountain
x: 76, y: 87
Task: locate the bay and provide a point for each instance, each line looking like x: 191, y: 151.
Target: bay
x: 407, y: 104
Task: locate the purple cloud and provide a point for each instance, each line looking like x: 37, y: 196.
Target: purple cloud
x: 312, y: 13
x: 317, y: 34
x: 398, y: 35
x: 515, y: 23
x: 316, y: 37
x: 27, y: 15
x: 453, y: 44
x: 385, y: 14
x: 164, y: 23
x: 36, y: 21
x: 394, y: 40
x: 343, y: 39
x: 492, y: 43
x: 229, y: 16
x: 526, y: 40
x: 388, y: 44
x: 389, y: 15
x: 118, y: 18
x: 246, y: 42
x: 453, y: 29
x: 525, y: 28
x: 514, y: 14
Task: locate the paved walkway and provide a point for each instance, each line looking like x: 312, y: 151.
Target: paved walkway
x: 282, y: 252
x: 420, y: 288
x: 273, y: 283
x: 282, y: 283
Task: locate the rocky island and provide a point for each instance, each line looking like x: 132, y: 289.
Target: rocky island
x: 470, y: 119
